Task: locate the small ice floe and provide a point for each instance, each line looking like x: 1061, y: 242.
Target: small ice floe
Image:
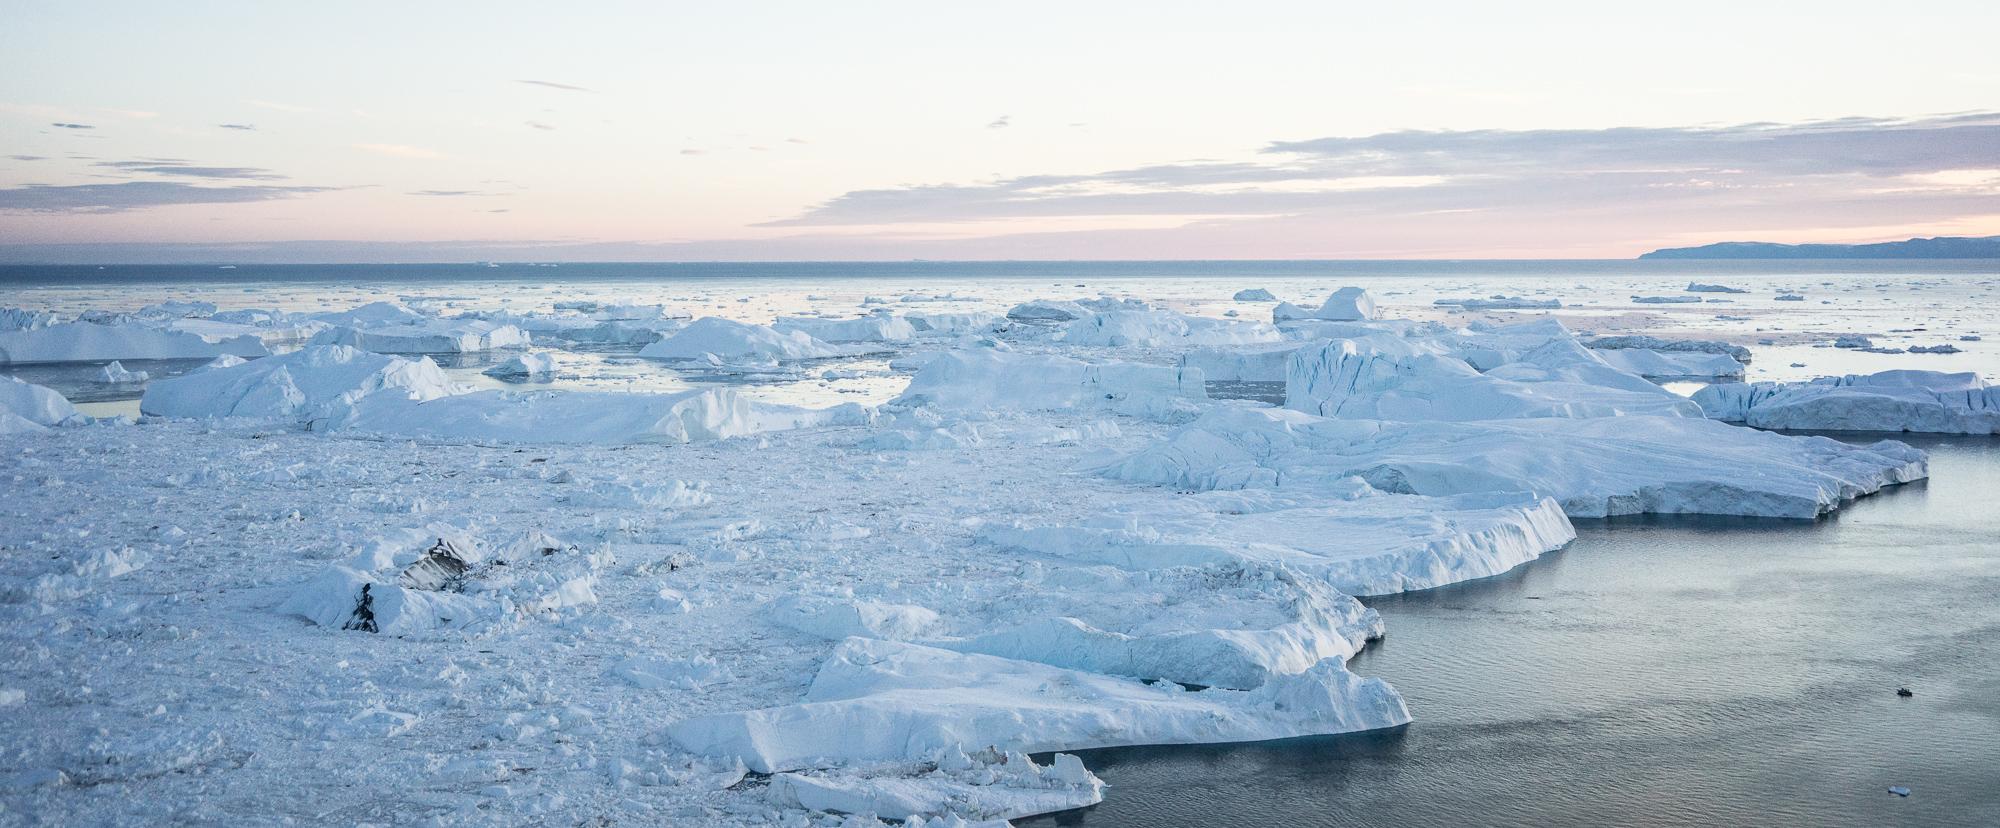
x: 1946, y: 348
x: 1498, y: 302
x: 1666, y: 300
x: 1855, y: 341
x: 117, y: 374
x: 1697, y: 287
x: 1254, y: 295
x: 1899, y: 790
x: 529, y: 366
x: 1789, y: 297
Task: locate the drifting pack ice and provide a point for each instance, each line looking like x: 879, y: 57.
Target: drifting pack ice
x: 1067, y: 529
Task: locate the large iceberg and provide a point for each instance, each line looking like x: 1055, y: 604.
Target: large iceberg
x: 733, y: 341
x: 1918, y: 401
x: 885, y: 701
x: 1369, y: 545
x: 1382, y: 378
x: 990, y: 380
x: 1160, y: 328
x: 606, y: 417
x: 25, y: 406
x: 428, y: 336
x: 1671, y: 365
x: 875, y: 327
x: 92, y: 342
x: 1594, y: 467
x: 318, y: 382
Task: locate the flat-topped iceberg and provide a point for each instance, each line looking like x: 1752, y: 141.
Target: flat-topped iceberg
x: 1654, y: 343
x: 92, y: 342
x: 1254, y: 295
x: 1368, y: 545
x: 1160, y: 329
x: 1249, y: 363
x: 318, y: 382
x: 732, y: 341
x: 1501, y: 303
x: 429, y: 336
x: 1594, y: 467
x: 1917, y: 401
x: 887, y: 701
x: 991, y: 380
x: 875, y: 327
x: 1668, y: 365
x: 603, y: 417
x: 1383, y: 378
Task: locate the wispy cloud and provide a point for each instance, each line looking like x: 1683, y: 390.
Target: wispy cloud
x: 1810, y: 168
x: 243, y: 127
x: 28, y: 157
x: 553, y: 85
x: 135, y: 195
x: 66, y: 125
x: 181, y: 168
x: 539, y: 125
x: 1001, y: 122
x: 399, y: 150
x: 481, y: 193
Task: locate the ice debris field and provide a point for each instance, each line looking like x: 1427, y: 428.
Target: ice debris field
x: 403, y: 561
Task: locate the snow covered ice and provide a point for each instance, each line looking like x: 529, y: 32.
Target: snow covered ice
x: 404, y: 586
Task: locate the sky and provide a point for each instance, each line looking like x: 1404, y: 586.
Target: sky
x: 440, y: 131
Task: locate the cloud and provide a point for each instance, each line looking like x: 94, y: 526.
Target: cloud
x: 693, y: 152
x: 481, y: 193
x: 1859, y: 167
x: 63, y: 125
x: 1000, y: 122
x: 539, y: 125
x: 243, y: 127
x: 182, y: 168
x: 28, y: 157
x: 135, y: 195
x: 399, y: 150
x: 553, y: 85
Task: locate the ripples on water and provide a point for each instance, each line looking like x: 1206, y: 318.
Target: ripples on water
x: 1660, y: 672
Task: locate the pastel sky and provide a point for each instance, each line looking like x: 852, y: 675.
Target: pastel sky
x: 888, y: 130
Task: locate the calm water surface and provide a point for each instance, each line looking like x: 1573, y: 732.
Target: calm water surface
x: 1660, y: 672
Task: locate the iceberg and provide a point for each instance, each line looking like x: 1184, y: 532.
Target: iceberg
x: 730, y: 340
x: 1382, y: 378
x: 1698, y: 287
x: 1158, y: 329
x: 1374, y: 544
x: 1348, y: 304
x: 1254, y: 363
x: 602, y: 417
x: 891, y: 701
x: 876, y: 327
x: 319, y: 382
x: 1914, y: 401
x: 1671, y: 365
x: 92, y: 342
x: 1501, y: 303
x: 429, y: 336
x: 26, y: 404
x: 1254, y: 295
x: 537, y: 365
x: 22, y: 319
x: 117, y: 374
x: 1654, y: 343
x: 989, y: 380
x: 1593, y: 467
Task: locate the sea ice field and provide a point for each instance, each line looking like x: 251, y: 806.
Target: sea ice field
x: 909, y: 543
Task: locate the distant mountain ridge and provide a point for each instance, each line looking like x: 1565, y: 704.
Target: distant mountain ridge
x: 1940, y: 247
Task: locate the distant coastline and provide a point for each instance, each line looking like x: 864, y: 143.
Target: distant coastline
x: 1940, y: 247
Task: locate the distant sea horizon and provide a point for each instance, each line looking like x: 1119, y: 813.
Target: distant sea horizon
x: 224, y: 272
